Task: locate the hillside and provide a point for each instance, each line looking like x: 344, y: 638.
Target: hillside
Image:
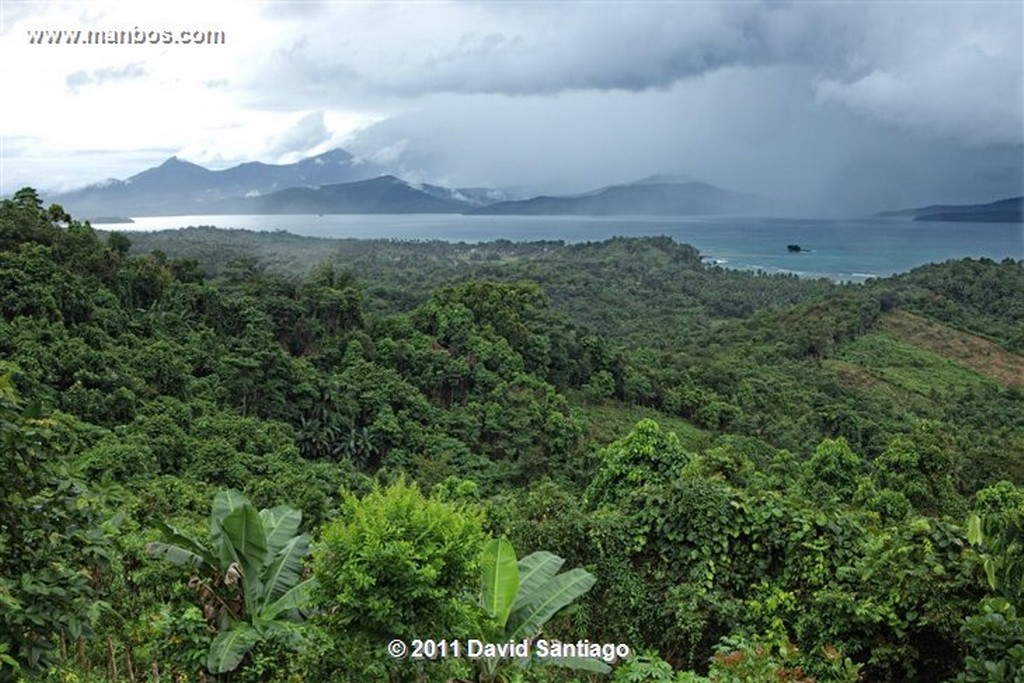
x: 384, y: 194
x: 977, y: 353
x: 725, y: 462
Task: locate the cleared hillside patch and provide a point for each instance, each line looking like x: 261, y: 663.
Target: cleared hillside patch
x: 910, y: 367
x: 983, y: 356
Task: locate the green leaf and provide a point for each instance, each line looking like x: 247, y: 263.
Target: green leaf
x: 180, y: 548
x: 224, y: 503
x: 990, y: 572
x: 175, y: 554
x: 549, y: 599
x: 244, y: 530
x: 974, y: 533
x: 229, y: 647
x: 500, y: 579
x: 285, y: 570
x: 295, y: 598
x: 535, y: 570
x: 280, y: 524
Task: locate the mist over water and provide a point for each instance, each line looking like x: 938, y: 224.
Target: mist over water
x: 847, y: 249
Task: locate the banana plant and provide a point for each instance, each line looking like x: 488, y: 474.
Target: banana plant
x: 522, y: 596
x: 254, y: 560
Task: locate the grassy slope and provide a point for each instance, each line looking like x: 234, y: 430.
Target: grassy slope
x: 919, y: 362
x: 981, y: 355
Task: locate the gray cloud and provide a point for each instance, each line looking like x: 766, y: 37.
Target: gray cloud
x: 306, y: 134
x: 956, y: 71
x: 847, y: 107
x: 100, y: 76
x: 952, y: 70
x: 762, y: 129
x: 410, y: 51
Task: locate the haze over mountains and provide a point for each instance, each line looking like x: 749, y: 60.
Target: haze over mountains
x: 652, y: 196
x: 336, y: 182
x: 383, y: 194
x: 180, y: 187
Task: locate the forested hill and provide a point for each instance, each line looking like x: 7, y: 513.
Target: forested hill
x: 645, y: 291
x: 744, y: 473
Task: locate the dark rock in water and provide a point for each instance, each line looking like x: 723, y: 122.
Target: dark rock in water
x: 794, y: 248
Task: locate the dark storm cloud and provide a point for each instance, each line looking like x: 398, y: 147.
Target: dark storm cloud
x: 814, y: 156
x: 947, y: 72
x: 411, y: 51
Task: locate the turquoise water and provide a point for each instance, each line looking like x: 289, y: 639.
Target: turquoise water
x: 843, y: 249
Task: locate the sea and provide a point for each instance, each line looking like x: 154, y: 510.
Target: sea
x: 839, y: 249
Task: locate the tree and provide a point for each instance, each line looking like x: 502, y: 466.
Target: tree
x: 831, y: 473
x: 922, y: 466
x: 28, y: 198
x: 119, y: 243
x: 55, y: 540
x: 253, y: 562
x: 646, y: 456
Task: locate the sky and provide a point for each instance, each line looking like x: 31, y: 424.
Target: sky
x: 827, y: 107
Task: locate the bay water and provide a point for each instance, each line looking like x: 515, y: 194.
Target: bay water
x: 840, y: 249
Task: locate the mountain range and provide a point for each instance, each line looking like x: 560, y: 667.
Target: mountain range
x: 337, y: 182
x: 178, y: 187
x: 383, y: 194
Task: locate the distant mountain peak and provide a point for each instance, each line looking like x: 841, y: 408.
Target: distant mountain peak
x: 665, y: 179
x: 175, y: 163
x: 387, y: 178
x: 336, y: 155
x: 179, y: 186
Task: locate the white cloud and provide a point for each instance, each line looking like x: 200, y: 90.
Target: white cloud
x: 83, y: 101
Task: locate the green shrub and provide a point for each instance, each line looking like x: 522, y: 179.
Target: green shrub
x: 396, y: 564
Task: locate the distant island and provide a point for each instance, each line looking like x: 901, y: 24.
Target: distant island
x: 1002, y: 211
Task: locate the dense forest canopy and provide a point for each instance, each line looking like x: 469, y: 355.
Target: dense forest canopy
x: 260, y: 457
